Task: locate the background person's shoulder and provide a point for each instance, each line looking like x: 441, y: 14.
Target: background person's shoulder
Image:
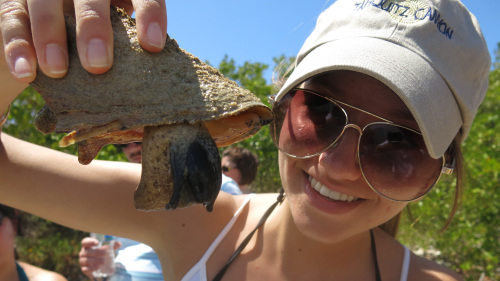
x: 35, y: 273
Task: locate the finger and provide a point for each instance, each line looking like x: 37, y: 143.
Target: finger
x: 16, y: 36
x: 95, y: 253
x: 90, y: 262
x: 151, y: 22
x: 49, y: 36
x: 94, y: 35
x: 89, y: 242
x: 88, y: 271
x: 117, y: 245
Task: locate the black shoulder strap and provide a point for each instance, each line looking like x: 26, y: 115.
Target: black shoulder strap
x: 374, y: 253
x: 243, y: 244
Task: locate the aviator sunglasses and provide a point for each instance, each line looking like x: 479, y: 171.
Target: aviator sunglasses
x: 227, y: 168
x: 393, y: 159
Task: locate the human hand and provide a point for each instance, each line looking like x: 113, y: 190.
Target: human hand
x: 33, y: 31
x: 90, y: 257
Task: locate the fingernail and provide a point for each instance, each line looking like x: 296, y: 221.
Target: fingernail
x: 97, y: 53
x: 155, y: 35
x: 56, y: 59
x: 22, y: 68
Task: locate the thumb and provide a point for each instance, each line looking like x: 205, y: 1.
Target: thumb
x: 89, y: 242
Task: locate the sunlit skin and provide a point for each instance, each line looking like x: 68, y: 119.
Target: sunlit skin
x: 338, y: 169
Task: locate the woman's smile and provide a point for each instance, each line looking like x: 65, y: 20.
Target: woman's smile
x: 328, y: 193
x: 328, y: 200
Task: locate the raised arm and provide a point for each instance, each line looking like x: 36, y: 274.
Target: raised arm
x: 54, y: 185
x: 97, y: 197
x: 42, y: 181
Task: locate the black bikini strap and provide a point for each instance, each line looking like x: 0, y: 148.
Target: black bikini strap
x: 374, y: 253
x: 243, y: 244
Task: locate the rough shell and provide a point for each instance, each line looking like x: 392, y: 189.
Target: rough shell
x: 141, y: 89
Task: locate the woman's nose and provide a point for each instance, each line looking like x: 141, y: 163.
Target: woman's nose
x: 341, y: 160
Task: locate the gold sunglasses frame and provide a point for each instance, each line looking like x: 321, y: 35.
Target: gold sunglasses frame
x: 445, y: 168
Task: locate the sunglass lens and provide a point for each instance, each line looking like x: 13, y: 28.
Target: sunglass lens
x: 306, y: 123
x: 395, y: 162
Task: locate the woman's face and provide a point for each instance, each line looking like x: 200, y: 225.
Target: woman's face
x: 333, y: 218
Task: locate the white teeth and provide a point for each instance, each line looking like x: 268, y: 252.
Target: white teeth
x: 334, y: 195
x: 324, y: 191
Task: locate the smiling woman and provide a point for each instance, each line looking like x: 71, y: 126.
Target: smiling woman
x: 372, y: 114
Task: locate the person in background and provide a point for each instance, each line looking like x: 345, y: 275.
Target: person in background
x: 134, y: 261
x: 12, y: 269
x: 241, y: 165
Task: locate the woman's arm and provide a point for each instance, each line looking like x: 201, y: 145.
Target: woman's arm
x: 45, y: 182
x: 96, y: 197
x: 99, y: 198
x: 54, y: 185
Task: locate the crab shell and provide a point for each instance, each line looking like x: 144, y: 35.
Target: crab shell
x: 144, y: 94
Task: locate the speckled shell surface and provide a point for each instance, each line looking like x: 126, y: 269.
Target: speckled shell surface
x: 141, y: 89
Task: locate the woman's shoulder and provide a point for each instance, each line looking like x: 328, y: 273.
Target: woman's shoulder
x: 392, y: 257
x: 255, y: 201
x: 191, y: 231
x: 35, y: 273
x: 424, y: 269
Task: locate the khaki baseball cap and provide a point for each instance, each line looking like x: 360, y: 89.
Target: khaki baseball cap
x: 431, y: 53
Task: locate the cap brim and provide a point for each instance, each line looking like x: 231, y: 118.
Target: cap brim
x: 411, y: 77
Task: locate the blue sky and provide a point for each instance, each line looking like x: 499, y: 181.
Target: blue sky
x: 259, y: 30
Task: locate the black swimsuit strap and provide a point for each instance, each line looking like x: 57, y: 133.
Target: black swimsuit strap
x: 243, y: 244
x: 374, y: 253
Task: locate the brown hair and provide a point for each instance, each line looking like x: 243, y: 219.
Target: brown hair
x: 13, y: 215
x: 245, y: 161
